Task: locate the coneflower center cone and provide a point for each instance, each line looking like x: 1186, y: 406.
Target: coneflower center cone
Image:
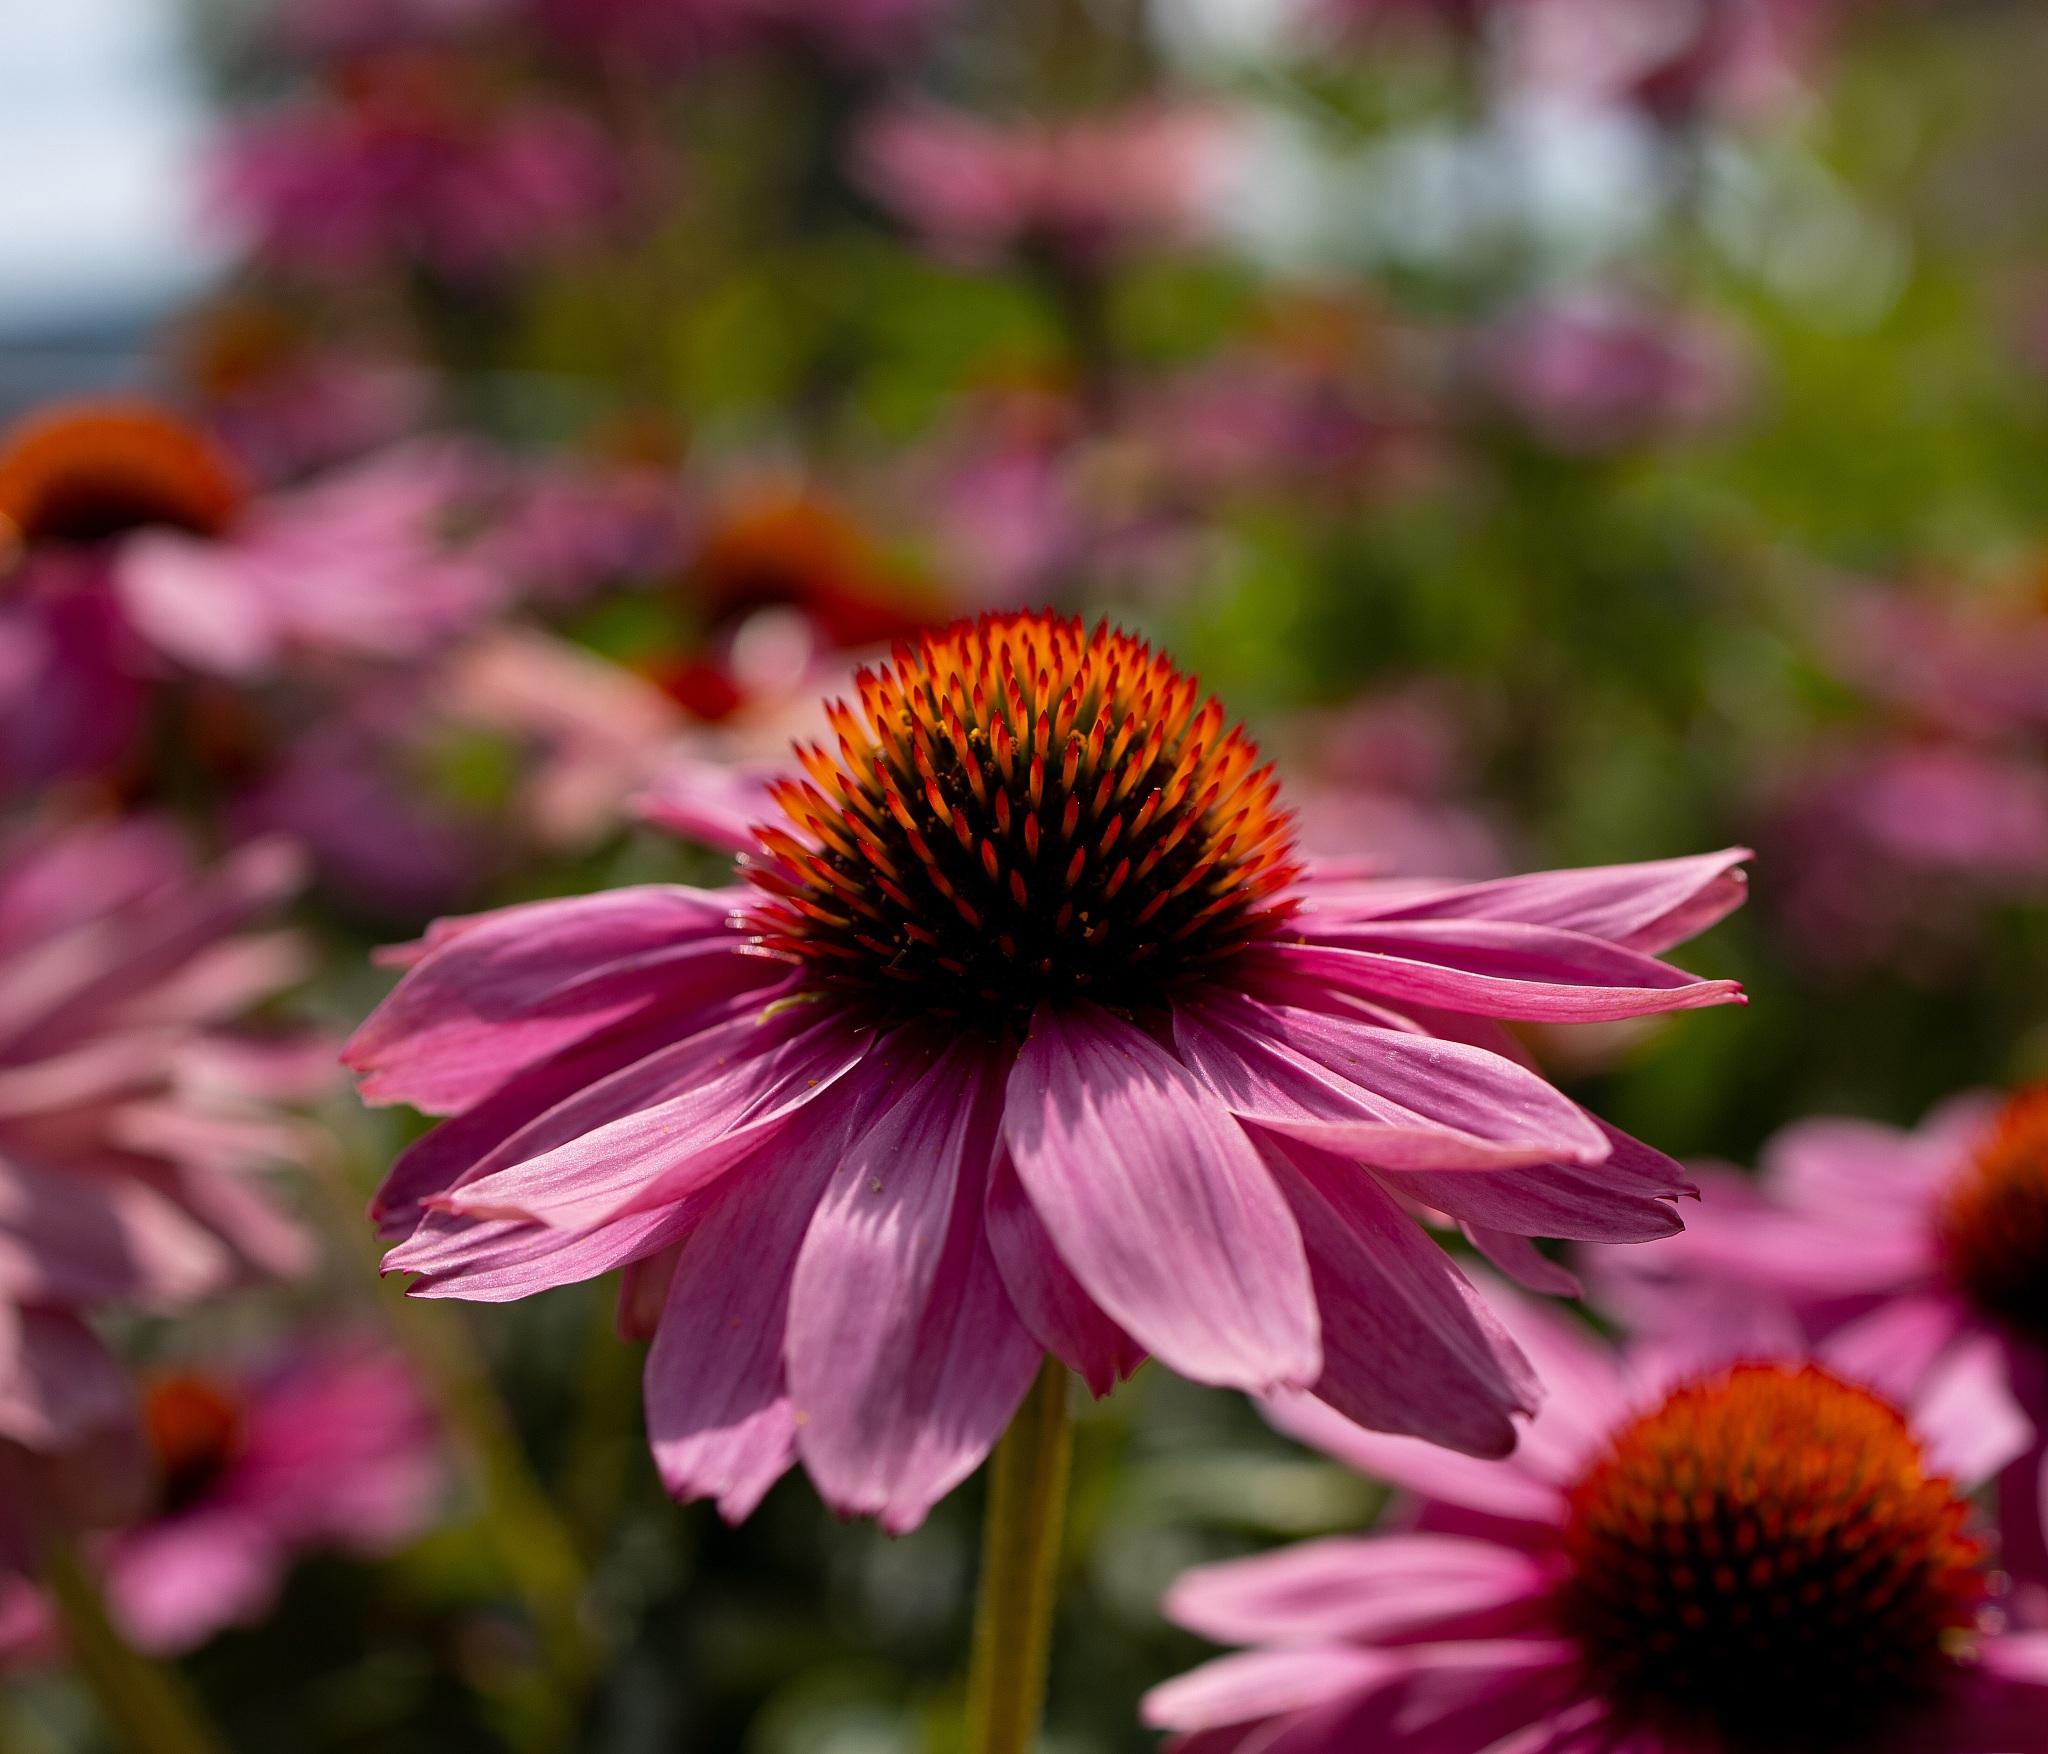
x: 90, y: 471
x: 1763, y: 1565
x: 1993, y: 1222
x: 194, y: 1427
x: 1017, y: 810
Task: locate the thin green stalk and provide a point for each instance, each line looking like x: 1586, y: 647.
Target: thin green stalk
x: 147, y: 1705
x: 1027, y: 1503
x: 533, y: 1544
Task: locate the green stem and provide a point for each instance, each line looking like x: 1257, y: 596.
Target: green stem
x: 1027, y: 1502
x: 148, y: 1705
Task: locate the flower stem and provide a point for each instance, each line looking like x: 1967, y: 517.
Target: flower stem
x: 1027, y: 1502
x: 148, y: 1705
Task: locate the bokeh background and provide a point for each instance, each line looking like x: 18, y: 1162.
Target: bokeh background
x: 1566, y: 430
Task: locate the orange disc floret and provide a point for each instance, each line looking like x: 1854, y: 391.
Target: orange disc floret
x: 1763, y: 1564
x: 194, y: 1428
x: 1019, y: 810
x: 87, y: 471
x: 1993, y: 1221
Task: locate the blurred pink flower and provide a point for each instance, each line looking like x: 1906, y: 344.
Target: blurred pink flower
x: 566, y: 531
x: 134, y: 1112
x: 361, y: 563
x: 1936, y: 1240
x: 329, y: 1447
x: 410, y: 164
x: 1378, y: 783
x: 287, y: 401
x: 994, y: 1060
x: 1597, y: 372
x: 1082, y: 188
x: 125, y: 504
x: 676, y: 33
x: 1579, y: 1596
x: 1674, y: 59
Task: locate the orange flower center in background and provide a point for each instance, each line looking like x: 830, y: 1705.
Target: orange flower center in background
x: 1763, y: 1565
x: 194, y: 1427
x: 778, y: 547
x: 1994, y: 1219
x: 1021, y: 810
x: 87, y: 471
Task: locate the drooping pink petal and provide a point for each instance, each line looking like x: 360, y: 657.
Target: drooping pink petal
x: 1159, y: 1204
x: 1407, y: 1346
x: 1969, y: 1425
x: 1501, y: 969
x: 73, y: 1239
x: 738, y: 1085
x: 1247, y: 1686
x: 1523, y: 1262
x: 718, y: 1413
x: 892, y: 1244
x: 1627, y: 1198
x: 1649, y: 906
x: 491, y: 996
x: 1401, y: 1100
x: 503, y: 1260
x: 1363, y: 1590
x: 1047, y: 1297
x: 172, y: 1585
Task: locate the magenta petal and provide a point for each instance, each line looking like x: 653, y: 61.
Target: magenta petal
x: 1523, y: 1262
x: 1388, y: 1098
x: 1248, y: 1686
x: 1048, y: 1299
x: 58, y: 1385
x: 718, y: 1414
x: 739, y: 1085
x: 1361, y: 1590
x: 503, y: 1260
x: 1628, y: 1198
x: 1649, y: 906
x: 489, y: 996
x: 1159, y: 1204
x: 1499, y: 968
x: 1407, y: 1345
x: 882, y: 1288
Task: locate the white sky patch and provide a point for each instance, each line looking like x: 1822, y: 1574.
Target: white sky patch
x: 103, y: 135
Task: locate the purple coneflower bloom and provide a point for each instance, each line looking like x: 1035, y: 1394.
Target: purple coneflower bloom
x: 1769, y: 1555
x: 326, y: 1446
x: 1027, y: 1035
x: 1935, y: 1240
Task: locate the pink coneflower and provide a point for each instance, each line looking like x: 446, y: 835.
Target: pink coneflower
x: 415, y: 161
x: 328, y: 1446
x: 1936, y: 1238
x: 134, y: 1112
x: 125, y: 504
x: 1595, y: 371
x: 1081, y: 188
x: 1025, y: 1035
x: 1767, y: 1556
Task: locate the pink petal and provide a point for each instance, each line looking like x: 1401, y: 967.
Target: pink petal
x: 711, y: 801
x: 173, y: 1585
x: 504, y: 1260
x: 492, y: 995
x: 1401, y: 1100
x: 1159, y: 1204
x: 1523, y: 1262
x: 1407, y: 1346
x: 1628, y: 1198
x: 880, y: 1283
x: 1250, y: 1685
x: 1966, y: 1418
x: 740, y: 1085
x: 1649, y: 906
x: 58, y: 1385
x: 68, y: 1238
x: 718, y: 1416
x: 1361, y: 1590
x: 1047, y: 1298
x: 1500, y: 969
x: 199, y: 602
